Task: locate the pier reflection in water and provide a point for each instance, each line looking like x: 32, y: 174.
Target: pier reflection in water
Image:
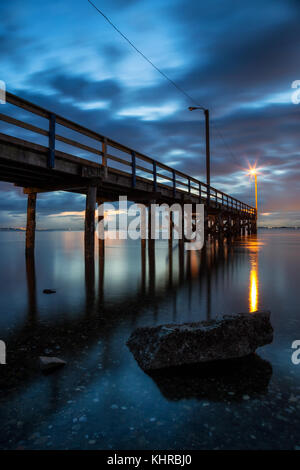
x: 97, y: 305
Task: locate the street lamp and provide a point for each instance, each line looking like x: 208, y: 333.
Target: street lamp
x: 253, y: 172
x: 206, y: 114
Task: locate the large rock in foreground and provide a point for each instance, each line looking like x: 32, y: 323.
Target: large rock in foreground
x: 231, y: 336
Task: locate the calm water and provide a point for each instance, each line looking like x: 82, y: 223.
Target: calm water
x: 102, y: 399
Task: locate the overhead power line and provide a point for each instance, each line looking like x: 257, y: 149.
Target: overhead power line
x: 178, y: 87
x: 230, y: 151
x: 144, y: 56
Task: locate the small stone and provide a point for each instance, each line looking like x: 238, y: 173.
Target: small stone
x: 293, y: 398
x: 246, y: 397
x: 48, y: 363
x: 33, y: 436
x: 49, y: 291
x: 114, y: 407
x: 92, y: 442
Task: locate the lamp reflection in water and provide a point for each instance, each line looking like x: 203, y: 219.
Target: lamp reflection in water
x: 253, y: 294
x: 254, y: 247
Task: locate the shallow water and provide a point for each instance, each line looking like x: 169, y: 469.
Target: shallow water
x: 102, y: 399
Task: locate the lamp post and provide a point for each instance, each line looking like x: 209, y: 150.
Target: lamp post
x: 206, y: 114
x: 253, y: 172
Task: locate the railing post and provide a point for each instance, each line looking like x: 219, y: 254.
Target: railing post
x: 154, y: 177
x: 189, y: 185
x: 133, y: 166
x: 174, y: 182
x: 51, y: 155
x: 104, y: 156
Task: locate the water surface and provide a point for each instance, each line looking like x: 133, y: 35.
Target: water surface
x: 102, y: 399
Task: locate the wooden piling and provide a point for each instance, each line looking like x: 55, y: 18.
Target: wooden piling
x: 170, y: 247
x: 89, y: 282
x: 143, y: 249
x: 151, y: 246
x: 89, y: 234
x: 101, y: 233
x: 243, y: 229
x: 30, y: 227
x: 205, y: 224
x: 171, y: 230
x: 182, y: 238
x: 255, y: 227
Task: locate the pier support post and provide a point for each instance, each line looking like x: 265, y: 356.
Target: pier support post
x: 229, y: 227
x: 248, y: 227
x: 143, y: 230
x: 30, y: 227
x: 170, y: 247
x: 89, y: 281
x: 205, y: 224
x: 89, y: 234
x: 243, y: 227
x: 151, y: 246
x: 101, y: 233
x: 171, y: 230
x: 182, y: 223
x: 239, y: 226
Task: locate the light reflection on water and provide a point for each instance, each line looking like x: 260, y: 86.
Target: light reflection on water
x: 253, y: 289
x: 98, y: 304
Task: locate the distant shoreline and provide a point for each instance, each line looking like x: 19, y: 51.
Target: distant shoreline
x: 11, y: 229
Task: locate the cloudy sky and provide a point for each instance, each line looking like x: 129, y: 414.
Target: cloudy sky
x: 237, y: 58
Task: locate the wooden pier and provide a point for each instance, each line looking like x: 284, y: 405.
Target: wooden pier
x: 103, y: 171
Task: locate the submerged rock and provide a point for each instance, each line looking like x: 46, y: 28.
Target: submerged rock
x: 49, y: 291
x: 232, y: 336
x: 48, y: 363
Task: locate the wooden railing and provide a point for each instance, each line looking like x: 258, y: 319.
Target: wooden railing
x: 139, y: 165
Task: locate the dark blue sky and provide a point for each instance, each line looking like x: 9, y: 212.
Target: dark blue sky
x: 238, y: 58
